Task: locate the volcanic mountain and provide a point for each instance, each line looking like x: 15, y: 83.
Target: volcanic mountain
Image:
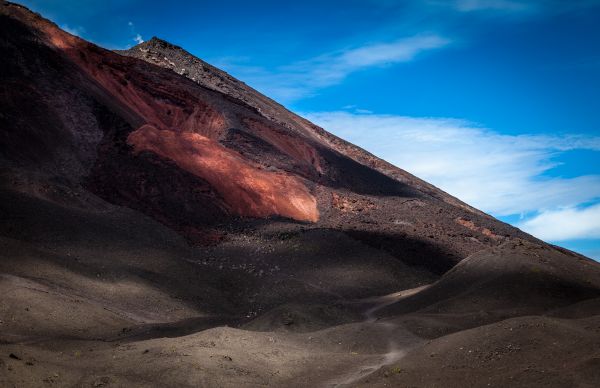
x: 164, y: 224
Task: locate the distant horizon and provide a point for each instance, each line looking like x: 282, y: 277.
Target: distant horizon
x: 493, y: 101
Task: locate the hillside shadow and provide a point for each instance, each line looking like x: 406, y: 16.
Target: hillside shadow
x: 424, y: 253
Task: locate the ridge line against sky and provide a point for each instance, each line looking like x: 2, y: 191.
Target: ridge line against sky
x: 494, y: 101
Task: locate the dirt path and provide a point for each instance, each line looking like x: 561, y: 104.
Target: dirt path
x: 400, y: 340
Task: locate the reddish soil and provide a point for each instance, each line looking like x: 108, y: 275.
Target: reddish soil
x: 247, y: 190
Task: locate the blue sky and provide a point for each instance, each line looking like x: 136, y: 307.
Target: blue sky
x: 494, y: 101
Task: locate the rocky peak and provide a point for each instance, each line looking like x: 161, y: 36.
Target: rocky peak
x: 158, y: 46
x: 158, y: 42
x: 164, y: 54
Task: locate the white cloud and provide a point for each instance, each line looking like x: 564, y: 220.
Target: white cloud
x: 137, y: 38
x: 565, y: 224
x: 330, y: 69
x: 305, y: 77
x: 402, y: 50
x: 77, y: 30
x: 503, y: 5
x: 591, y: 253
x: 500, y: 174
x: 530, y: 7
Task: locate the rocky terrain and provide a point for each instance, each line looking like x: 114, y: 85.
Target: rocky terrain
x: 164, y: 224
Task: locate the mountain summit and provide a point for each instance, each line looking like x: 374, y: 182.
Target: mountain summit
x: 164, y: 224
x: 196, y: 149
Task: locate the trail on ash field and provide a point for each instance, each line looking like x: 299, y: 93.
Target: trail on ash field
x: 400, y: 340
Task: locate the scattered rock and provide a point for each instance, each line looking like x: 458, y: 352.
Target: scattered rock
x: 51, y: 379
x: 101, y: 382
x: 288, y: 319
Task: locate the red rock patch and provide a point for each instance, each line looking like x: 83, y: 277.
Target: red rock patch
x: 248, y: 190
x: 291, y: 145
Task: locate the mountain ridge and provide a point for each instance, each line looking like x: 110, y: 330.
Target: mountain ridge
x: 165, y: 54
x: 145, y: 114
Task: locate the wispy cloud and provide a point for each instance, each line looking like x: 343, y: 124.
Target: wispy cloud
x: 500, y: 174
x: 591, y: 253
x: 501, y: 5
x: 304, y: 78
x: 514, y: 6
x: 137, y: 37
x: 77, y: 30
x: 332, y: 68
x: 565, y: 224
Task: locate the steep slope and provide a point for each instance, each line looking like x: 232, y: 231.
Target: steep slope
x: 175, y: 58
x: 196, y: 155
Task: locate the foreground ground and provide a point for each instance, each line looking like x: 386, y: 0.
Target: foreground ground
x: 164, y: 224
x: 112, y: 298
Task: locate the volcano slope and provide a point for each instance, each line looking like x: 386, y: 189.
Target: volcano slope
x: 164, y: 224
